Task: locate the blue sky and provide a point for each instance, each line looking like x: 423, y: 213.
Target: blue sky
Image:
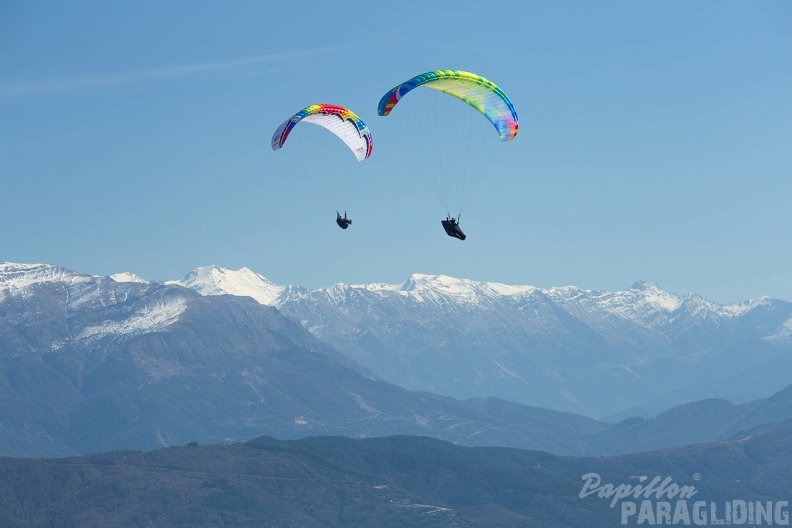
x: 654, y: 141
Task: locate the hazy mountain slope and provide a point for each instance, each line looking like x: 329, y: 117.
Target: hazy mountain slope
x: 697, y: 422
x: 593, y: 352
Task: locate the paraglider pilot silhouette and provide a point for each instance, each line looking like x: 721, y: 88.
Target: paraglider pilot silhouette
x: 451, y: 226
x: 344, y: 222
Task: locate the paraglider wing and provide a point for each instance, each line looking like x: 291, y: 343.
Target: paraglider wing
x: 480, y: 93
x: 339, y: 120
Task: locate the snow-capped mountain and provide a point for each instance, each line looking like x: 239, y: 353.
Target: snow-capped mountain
x: 568, y: 348
x: 52, y: 289
x: 213, y: 280
x: 127, y: 277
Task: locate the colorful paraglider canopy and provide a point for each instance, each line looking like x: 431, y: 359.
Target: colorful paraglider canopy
x: 339, y: 120
x: 478, y: 92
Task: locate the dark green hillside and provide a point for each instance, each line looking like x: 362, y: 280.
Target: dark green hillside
x: 384, y: 482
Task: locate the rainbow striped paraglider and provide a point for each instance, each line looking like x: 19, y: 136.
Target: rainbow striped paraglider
x: 445, y: 136
x: 341, y: 121
x: 478, y: 92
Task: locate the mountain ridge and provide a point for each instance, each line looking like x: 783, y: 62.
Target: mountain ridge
x: 586, y: 351
x: 566, y: 348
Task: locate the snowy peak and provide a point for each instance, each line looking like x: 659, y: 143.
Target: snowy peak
x: 15, y: 279
x: 644, y: 285
x: 462, y: 290
x: 98, y: 306
x: 738, y: 309
x: 656, y: 297
x: 424, y: 287
x: 128, y: 277
x: 422, y: 282
x: 214, y: 280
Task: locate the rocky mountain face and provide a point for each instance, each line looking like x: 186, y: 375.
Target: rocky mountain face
x: 593, y: 352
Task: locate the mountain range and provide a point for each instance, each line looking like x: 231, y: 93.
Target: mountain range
x: 636, y: 351
x: 88, y: 363
x: 91, y: 363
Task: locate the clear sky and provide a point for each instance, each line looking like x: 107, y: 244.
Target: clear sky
x: 655, y: 141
